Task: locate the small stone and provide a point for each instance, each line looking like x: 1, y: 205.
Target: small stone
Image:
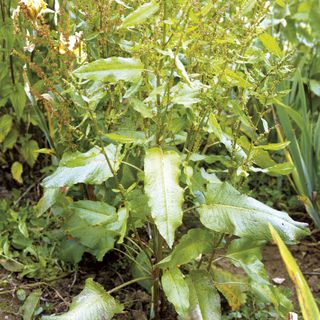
x: 278, y: 280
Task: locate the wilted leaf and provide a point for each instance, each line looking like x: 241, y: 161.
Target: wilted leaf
x: 232, y: 286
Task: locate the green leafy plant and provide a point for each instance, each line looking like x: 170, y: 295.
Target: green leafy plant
x: 166, y: 103
x: 154, y: 115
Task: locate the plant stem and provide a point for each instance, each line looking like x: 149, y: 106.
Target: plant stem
x: 11, y: 69
x: 125, y: 284
x: 157, y: 243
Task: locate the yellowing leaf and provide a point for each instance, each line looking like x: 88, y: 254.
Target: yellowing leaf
x: 308, y: 305
x: 16, y: 171
x: 273, y: 146
x: 232, y: 286
x: 281, y: 3
x: 271, y: 44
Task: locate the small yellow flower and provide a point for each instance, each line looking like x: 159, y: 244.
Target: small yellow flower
x: 34, y: 7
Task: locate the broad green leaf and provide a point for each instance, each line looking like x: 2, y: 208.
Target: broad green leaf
x: 140, y: 15
x: 176, y: 289
x: 71, y: 251
x: 274, y: 295
x: 111, y: 70
x: 307, y: 302
x: 274, y: 146
x: 94, y: 212
x: 48, y: 199
x: 5, y: 126
x: 97, y: 239
x: 247, y: 254
x: 136, y: 137
x: 140, y: 107
x: 16, y: 171
x: 93, y: 303
x: 231, y: 285
x: 228, y: 211
x: 18, y: 99
x: 281, y: 168
x: 28, y: 151
x: 10, y: 140
x: 190, y: 246
x: 162, y: 187
x: 237, y: 78
x: 204, y: 298
x: 90, y: 167
x: 271, y: 44
x: 315, y: 87
x: 30, y: 305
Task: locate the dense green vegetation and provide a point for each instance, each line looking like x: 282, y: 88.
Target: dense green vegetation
x: 148, y: 129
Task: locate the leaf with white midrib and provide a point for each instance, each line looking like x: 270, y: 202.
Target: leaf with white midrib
x: 162, y: 187
x: 228, y: 211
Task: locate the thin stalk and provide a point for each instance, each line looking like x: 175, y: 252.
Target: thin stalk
x: 133, y: 260
x: 11, y: 70
x: 156, y: 274
x: 125, y: 284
